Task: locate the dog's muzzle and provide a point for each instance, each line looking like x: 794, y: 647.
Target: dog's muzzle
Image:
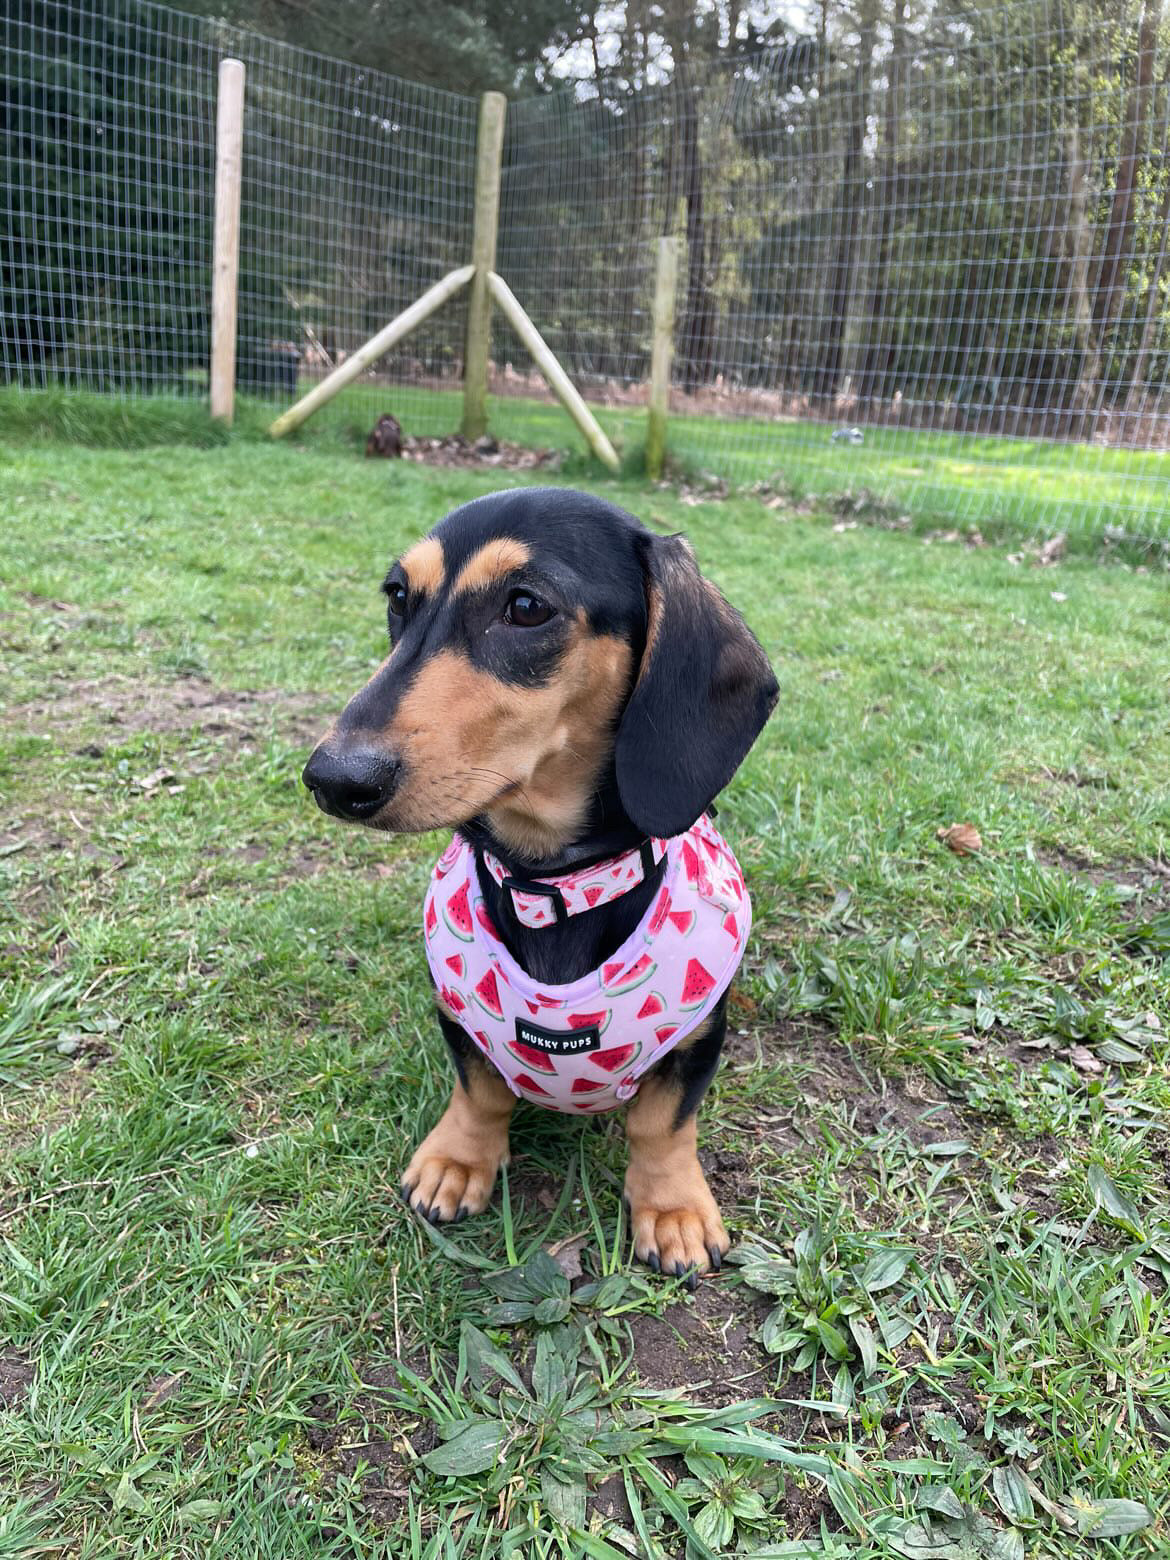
x: 353, y: 784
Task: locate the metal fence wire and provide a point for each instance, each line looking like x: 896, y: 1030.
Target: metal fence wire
x: 356, y: 197
x: 924, y: 249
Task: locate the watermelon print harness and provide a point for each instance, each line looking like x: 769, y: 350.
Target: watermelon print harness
x: 582, y: 1047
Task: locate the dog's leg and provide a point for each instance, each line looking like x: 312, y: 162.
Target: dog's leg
x: 454, y: 1167
x: 675, y: 1220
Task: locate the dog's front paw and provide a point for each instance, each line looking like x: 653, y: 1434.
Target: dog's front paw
x: 676, y: 1222
x: 451, y: 1177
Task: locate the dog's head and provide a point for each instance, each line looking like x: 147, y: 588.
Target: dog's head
x: 544, y: 643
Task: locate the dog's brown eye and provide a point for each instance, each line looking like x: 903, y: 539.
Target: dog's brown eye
x: 396, y: 596
x: 524, y: 610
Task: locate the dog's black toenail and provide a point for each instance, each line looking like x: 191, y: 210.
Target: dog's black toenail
x: 435, y: 1215
x: 653, y: 1262
x: 692, y: 1279
x: 679, y: 1269
x: 464, y: 1210
x: 716, y: 1258
x: 404, y: 1193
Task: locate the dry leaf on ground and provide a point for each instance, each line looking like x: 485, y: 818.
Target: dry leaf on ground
x: 567, y: 1254
x: 1084, y: 1060
x: 963, y: 838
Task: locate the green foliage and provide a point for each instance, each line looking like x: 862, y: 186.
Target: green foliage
x: 730, y: 1497
x: 223, y: 1333
x: 825, y: 1301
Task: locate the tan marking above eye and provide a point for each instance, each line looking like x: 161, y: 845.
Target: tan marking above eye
x: 423, y: 566
x: 493, y: 561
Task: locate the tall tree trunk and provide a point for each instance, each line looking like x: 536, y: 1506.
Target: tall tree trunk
x: 1079, y: 242
x: 851, y: 192
x: 1137, y: 371
x: 1109, y: 292
x: 696, y: 337
x: 879, y: 349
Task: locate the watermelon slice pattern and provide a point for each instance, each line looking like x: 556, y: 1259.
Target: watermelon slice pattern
x: 658, y: 988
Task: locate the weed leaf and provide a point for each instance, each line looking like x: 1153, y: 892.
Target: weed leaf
x: 883, y: 1270
x: 563, y: 1498
x: 1011, y: 1494
x: 472, y: 1451
x: 1107, y: 1518
x: 1116, y: 1204
x: 482, y: 1356
x: 866, y: 1344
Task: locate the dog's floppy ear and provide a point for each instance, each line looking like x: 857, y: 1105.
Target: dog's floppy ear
x: 702, y: 695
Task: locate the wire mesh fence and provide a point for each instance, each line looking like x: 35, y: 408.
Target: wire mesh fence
x: 925, y: 248
x: 926, y: 257
x: 356, y: 197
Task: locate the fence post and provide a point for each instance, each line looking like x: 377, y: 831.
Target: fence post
x: 661, y: 353
x: 229, y: 142
x: 489, y: 155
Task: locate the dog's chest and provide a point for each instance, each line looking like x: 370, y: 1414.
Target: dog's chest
x: 582, y: 1046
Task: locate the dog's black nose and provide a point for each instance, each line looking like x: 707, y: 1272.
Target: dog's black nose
x: 353, y: 784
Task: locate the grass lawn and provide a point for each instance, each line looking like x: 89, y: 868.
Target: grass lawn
x: 938, y: 1133
x: 1008, y: 488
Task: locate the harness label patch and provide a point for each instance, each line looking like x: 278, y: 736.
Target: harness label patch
x: 558, y: 1042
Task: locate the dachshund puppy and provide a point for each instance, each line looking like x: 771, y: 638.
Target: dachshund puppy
x: 566, y: 691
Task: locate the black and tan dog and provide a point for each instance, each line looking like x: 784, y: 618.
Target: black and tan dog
x: 561, y: 684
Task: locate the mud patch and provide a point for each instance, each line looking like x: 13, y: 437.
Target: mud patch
x: 16, y: 1376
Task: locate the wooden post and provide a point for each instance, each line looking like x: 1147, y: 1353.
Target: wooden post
x: 229, y: 150
x: 400, y: 326
x: 489, y: 155
x: 558, y: 381
x: 661, y: 354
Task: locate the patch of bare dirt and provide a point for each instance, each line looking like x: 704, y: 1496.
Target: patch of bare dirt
x: 16, y: 1376
x: 730, y: 1177
x: 1146, y: 877
x: 132, y: 705
x: 1079, y: 779
x: 533, y: 1187
x: 828, y: 1073
x: 707, y: 1347
x: 904, y: 1426
x: 609, y: 1500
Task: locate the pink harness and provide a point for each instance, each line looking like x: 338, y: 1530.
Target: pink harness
x: 582, y: 1047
